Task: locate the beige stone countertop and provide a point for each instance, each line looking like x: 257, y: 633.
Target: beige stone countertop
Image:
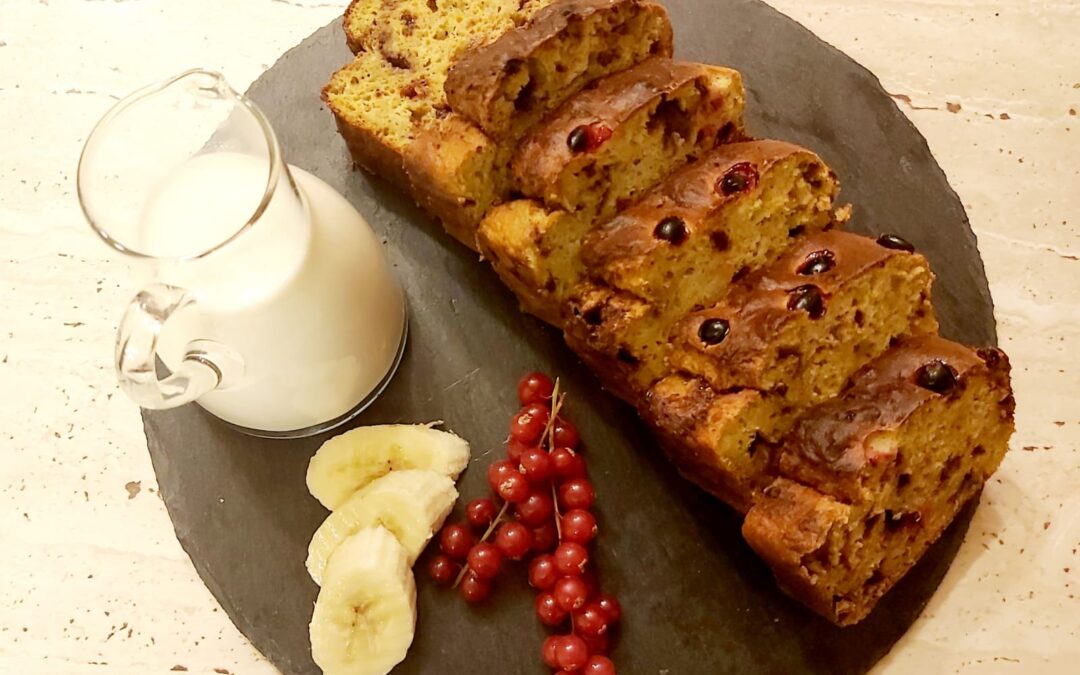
x: 94, y: 580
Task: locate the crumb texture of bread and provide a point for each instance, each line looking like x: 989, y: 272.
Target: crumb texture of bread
x: 685, y: 243
x: 612, y: 142
x: 870, y: 479
x: 509, y: 84
x: 803, y: 325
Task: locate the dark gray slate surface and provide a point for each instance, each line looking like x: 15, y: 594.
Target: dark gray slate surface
x: 697, y: 600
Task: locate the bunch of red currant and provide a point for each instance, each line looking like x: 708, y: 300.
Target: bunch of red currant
x: 544, y: 514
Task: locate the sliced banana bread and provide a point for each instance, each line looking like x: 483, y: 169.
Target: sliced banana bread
x: 800, y: 327
x: 682, y: 245
x: 534, y: 249
x: 612, y: 142
x: 739, y: 394
x: 429, y: 33
x: 506, y: 86
x: 871, y: 479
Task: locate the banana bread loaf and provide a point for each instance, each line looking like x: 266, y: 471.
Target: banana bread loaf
x: 508, y: 85
x: 681, y: 246
x: 872, y: 478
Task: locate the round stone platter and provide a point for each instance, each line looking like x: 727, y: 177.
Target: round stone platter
x: 696, y: 599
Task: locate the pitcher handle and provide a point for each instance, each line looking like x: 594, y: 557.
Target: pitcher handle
x: 204, y: 368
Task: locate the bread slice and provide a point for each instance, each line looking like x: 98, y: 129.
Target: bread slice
x: 712, y: 439
x: 800, y: 327
x: 612, y: 142
x: 871, y: 479
x: 534, y: 245
x: 735, y: 398
x: 508, y: 85
x: 428, y: 34
x: 681, y: 247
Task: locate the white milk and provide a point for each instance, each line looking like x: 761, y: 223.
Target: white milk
x: 305, y: 295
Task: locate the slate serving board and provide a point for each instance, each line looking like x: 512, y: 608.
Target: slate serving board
x: 696, y: 599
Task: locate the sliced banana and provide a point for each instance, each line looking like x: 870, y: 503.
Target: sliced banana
x: 348, y: 462
x: 365, y: 616
x: 412, y: 504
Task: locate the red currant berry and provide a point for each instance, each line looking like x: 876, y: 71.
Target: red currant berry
x: 456, y: 540
x: 571, y: 558
x: 514, y: 450
x: 567, y: 464
x: 499, y: 471
x: 513, y: 489
x: 536, y: 509
x: 542, y: 572
x: 544, y: 538
x: 576, y: 494
x: 611, y: 607
x: 485, y: 560
x: 547, y: 651
x: 529, y: 423
x: 571, y: 593
x: 564, y: 434
x: 548, y: 610
x: 535, y: 464
x: 535, y: 388
x: 474, y: 589
x: 579, y: 526
x: 598, y: 644
x: 480, y: 512
x: 599, y: 665
x: 591, y: 620
x: 443, y: 569
x: 572, y: 653
x: 514, y: 540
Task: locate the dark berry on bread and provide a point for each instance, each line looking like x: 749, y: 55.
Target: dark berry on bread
x: 896, y: 243
x: 740, y: 177
x: 672, y: 230
x: 807, y: 299
x: 714, y: 331
x: 818, y: 262
x: 937, y: 376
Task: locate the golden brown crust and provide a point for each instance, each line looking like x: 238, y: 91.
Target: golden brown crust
x: 352, y: 40
x: 438, y: 154
x: 689, y: 193
x: 544, y: 152
x: 595, y: 320
x: 369, y: 151
x: 478, y: 75
x: 792, y: 522
x: 707, y: 437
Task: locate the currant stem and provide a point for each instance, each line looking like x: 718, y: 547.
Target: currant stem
x: 487, y: 534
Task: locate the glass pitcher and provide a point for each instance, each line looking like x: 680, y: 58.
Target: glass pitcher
x: 273, y: 305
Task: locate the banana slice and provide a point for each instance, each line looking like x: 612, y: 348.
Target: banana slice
x: 365, y: 616
x: 348, y: 462
x: 412, y: 504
